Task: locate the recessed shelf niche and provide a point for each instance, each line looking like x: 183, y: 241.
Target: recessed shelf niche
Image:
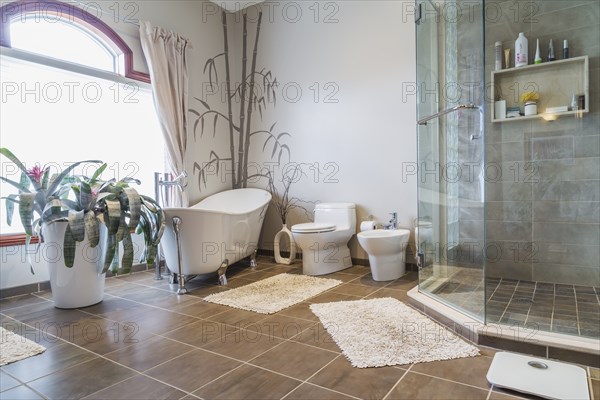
x: 555, y: 81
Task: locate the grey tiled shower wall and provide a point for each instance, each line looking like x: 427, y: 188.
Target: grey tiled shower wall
x: 542, y: 214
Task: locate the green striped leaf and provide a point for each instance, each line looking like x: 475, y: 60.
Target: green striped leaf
x: 20, y: 187
x: 112, y: 216
x: 69, y: 204
x: 61, y: 216
x: 27, y: 242
x: 127, y: 180
x: 69, y: 247
x: 135, y: 205
x: 122, y: 226
x: 8, y: 154
x: 151, y: 254
x: 150, y: 204
x: 114, y: 266
x: 85, y: 196
x: 98, y: 172
x: 53, y: 207
x: 109, y: 254
x: 92, y: 228
x: 10, y: 201
x: 127, y: 260
x: 25, y: 181
x: 45, y: 178
x: 26, y: 204
x: 77, y: 225
x: 107, y: 196
x: 56, y: 181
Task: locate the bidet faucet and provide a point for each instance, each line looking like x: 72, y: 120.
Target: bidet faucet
x: 393, y: 222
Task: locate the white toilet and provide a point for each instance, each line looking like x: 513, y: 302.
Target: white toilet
x: 324, y: 243
x: 386, y: 250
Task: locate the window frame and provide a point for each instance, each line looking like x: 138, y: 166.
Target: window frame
x: 81, y: 19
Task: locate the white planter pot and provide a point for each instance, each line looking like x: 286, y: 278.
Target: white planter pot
x: 83, y: 284
x: 276, y: 247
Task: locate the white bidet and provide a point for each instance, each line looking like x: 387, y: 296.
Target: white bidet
x: 386, y: 250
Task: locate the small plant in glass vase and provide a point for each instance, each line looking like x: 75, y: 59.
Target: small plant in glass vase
x: 283, y: 204
x: 530, y: 99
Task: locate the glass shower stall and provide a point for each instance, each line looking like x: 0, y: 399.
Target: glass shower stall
x: 508, y: 226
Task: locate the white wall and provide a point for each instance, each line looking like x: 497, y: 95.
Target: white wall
x: 369, y: 132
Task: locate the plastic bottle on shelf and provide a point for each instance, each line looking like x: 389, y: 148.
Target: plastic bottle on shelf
x: 521, y: 48
x: 498, y: 56
x: 538, y: 58
x: 551, y: 51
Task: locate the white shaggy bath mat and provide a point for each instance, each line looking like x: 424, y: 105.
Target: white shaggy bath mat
x: 273, y: 294
x: 14, y: 347
x: 380, y: 332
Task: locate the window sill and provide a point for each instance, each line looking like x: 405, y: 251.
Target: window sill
x: 17, y: 239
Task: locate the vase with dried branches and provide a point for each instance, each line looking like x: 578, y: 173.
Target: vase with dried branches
x: 283, y: 204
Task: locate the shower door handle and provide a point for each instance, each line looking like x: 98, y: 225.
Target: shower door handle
x: 467, y: 106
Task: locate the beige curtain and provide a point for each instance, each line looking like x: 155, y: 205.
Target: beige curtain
x: 165, y: 53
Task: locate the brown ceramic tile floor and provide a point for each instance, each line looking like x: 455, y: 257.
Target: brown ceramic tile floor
x: 567, y: 309
x: 145, y: 342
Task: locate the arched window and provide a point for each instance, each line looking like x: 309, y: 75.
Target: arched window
x: 66, y: 32
x: 69, y: 93
x: 41, y: 36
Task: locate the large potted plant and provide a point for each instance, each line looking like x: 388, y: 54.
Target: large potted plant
x: 86, y: 220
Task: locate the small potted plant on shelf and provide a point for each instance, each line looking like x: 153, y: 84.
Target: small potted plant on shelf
x: 86, y: 220
x: 530, y: 100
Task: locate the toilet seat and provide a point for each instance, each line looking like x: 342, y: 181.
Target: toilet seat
x: 313, y: 227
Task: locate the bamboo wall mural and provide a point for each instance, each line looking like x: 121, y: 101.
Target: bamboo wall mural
x: 254, y: 92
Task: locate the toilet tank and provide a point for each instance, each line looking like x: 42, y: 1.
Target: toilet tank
x: 343, y: 215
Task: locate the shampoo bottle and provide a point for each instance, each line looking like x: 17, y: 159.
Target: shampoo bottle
x: 551, y: 51
x: 538, y: 58
x: 521, y: 50
x: 498, y: 56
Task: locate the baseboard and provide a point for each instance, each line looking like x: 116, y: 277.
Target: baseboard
x: 45, y: 285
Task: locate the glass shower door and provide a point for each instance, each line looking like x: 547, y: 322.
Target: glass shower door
x: 450, y: 224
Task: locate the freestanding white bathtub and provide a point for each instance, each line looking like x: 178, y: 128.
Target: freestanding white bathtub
x: 216, y: 232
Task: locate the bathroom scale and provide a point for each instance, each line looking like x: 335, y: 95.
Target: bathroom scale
x: 538, y: 376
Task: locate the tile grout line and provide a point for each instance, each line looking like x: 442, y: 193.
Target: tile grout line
x: 509, y: 301
x: 147, y: 376
x: 397, y: 382
x: 96, y: 356
x: 253, y: 365
x: 242, y: 362
x: 531, y: 305
x: 306, y: 381
x: 576, y: 311
x: 553, y: 303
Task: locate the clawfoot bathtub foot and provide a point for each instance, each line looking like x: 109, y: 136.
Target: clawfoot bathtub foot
x: 253, y: 259
x: 176, y: 226
x: 157, y: 274
x: 182, y: 289
x: 221, y: 271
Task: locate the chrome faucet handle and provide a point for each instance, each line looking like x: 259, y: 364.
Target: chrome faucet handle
x: 394, y: 220
x: 182, y: 180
